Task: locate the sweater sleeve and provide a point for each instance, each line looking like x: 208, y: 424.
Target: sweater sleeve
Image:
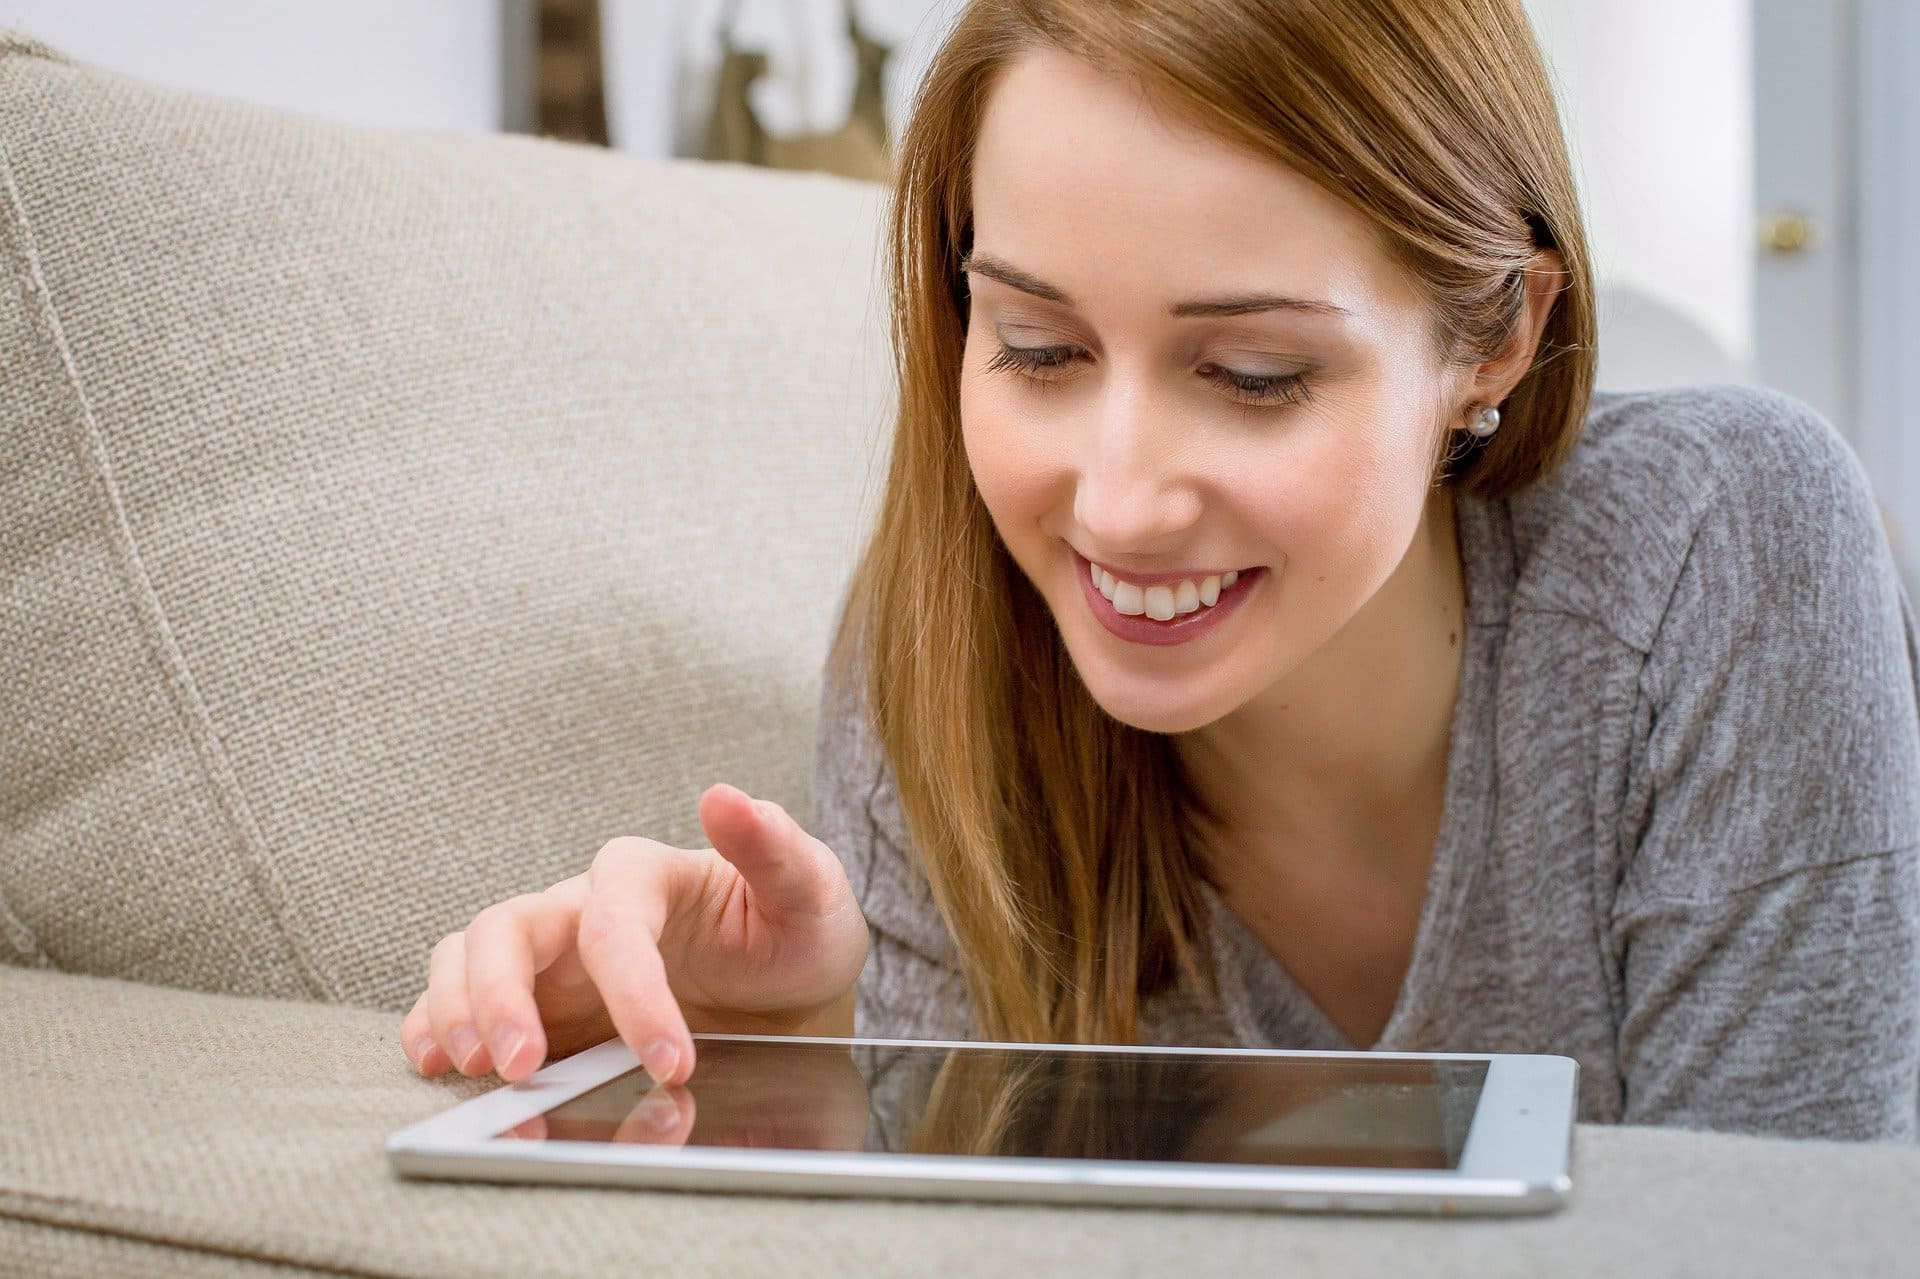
x: 1767, y: 928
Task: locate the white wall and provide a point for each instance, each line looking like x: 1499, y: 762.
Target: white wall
x: 1887, y: 163
x: 1657, y: 98
x: 429, y: 64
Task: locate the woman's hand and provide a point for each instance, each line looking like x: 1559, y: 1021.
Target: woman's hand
x: 758, y: 933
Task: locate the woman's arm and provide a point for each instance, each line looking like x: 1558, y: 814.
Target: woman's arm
x: 1768, y: 925
x: 1784, y: 1007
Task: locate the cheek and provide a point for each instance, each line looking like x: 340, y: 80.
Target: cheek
x: 1312, y: 499
x: 1343, y: 505
x: 1011, y: 466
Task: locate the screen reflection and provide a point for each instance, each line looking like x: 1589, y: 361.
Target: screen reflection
x: 1212, y: 1108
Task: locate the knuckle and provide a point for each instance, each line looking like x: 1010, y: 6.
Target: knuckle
x: 495, y: 1005
x: 495, y: 916
x: 629, y: 863
x: 622, y: 849
x: 598, y: 927
x: 447, y: 945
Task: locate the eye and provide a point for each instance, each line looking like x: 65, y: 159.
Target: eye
x: 1042, y: 364
x: 1034, y: 361
x: 1282, y: 388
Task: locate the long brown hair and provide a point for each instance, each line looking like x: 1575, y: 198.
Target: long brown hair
x: 1056, y: 840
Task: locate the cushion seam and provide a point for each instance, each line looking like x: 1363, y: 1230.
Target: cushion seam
x: 133, y: 1234
x: 19, y: 938
x: 90, y: 453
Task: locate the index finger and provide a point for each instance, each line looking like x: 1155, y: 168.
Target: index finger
x: 631, y: 890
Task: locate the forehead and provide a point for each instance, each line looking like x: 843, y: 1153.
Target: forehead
x: 1084, y: 180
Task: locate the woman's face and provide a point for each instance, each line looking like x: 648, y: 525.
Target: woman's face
x: 1129, y: 426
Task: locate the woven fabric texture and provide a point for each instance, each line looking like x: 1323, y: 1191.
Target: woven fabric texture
x: 388, y: 519
x: 254, y: 1128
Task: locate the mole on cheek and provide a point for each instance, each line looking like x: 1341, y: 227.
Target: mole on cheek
x: 1451, y: 637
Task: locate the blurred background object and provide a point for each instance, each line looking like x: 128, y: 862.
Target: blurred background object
x: 569, y: 83
x: 1750, y: 169
x: 858, y: 148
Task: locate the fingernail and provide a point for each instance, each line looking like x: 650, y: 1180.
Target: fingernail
x: 659, y: 1111
x: 506, y: 1042
x: 421, y: 1047
x: 466, y: 1042
x: 659, y: 1057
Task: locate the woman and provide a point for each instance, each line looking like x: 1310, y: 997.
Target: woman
x: 1269, y: 637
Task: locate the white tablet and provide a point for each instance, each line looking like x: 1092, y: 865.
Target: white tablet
x: 1200, y: 1127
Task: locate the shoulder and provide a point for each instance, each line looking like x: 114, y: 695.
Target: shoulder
x: 1740, y: 490
x: 1729, y: 538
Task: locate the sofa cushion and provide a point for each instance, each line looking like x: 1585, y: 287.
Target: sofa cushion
x: 387, y: 519
x: 255, y: 1128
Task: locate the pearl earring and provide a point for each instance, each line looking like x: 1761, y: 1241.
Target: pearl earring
x: 1488, y: 422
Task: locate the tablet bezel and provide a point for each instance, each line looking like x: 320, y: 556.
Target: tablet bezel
x: 1516, y: 1159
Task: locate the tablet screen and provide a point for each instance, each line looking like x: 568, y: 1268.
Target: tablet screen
x: 1091, y: 1104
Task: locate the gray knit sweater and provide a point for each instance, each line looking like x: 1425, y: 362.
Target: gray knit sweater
x: 1681, y: 841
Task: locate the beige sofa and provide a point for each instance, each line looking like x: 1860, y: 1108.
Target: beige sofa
x: 386, y: 520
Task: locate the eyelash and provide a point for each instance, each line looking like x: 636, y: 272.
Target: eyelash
x: 1290, y: 388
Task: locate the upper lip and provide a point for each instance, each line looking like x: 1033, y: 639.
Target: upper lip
x: 1138, y: 578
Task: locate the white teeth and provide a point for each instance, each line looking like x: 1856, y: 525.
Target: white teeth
x: 1102, y: 580
x: 1161, y: 603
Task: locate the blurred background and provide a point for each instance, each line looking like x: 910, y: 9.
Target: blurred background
x: 1750, y: 169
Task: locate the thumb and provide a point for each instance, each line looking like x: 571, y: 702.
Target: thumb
x: 788, y: 869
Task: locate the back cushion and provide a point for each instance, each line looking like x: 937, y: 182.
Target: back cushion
x: 388, y: 519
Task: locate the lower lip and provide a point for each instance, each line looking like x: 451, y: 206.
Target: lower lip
x: 1182, y: 627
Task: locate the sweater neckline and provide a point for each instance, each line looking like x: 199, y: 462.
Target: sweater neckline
x: 1260, y: 998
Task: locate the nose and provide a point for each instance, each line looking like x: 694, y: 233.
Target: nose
x: 1134, y: 495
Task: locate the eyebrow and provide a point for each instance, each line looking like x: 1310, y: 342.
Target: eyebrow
x: 1232, y: 304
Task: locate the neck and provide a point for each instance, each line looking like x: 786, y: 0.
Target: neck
x: 1342, y: 765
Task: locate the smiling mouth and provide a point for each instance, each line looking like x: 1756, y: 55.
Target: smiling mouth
x: 1168, y: 602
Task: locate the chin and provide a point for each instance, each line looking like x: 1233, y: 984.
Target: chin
x: 1150, y: 704
x: 1181, y: 717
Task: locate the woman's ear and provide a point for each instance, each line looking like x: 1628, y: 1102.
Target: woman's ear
x: 1494, y: 380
